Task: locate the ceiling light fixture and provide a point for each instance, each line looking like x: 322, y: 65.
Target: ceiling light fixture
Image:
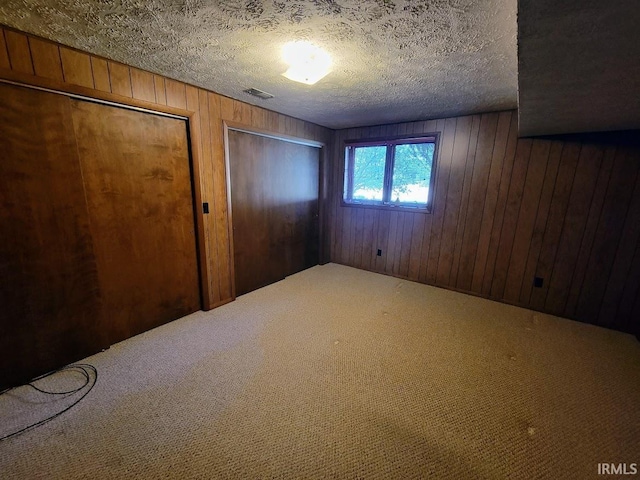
x: 307, y: 62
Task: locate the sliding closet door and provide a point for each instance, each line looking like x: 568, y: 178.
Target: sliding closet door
x: 138, y: 185
x: 274, y: 199
x: 50, y: 310
x: 97, y: 228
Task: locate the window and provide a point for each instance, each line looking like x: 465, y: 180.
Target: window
x: 390, y: 173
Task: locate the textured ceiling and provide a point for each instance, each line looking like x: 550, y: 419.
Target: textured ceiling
x: 394, y: 60
x: 579, y: 66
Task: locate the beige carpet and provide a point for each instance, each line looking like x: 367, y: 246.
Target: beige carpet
x: 341, y: 373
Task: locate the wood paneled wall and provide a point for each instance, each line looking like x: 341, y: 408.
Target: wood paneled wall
x: 507, y: 209
x: 31, y: 60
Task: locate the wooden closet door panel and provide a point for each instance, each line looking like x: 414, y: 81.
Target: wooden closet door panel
x: 139, y: 196
x: 50, y: 307
x: 255, y: 227
x: 301, y: 168
x: 274, y: 197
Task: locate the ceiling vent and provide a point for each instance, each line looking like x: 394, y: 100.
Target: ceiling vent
x: 258, y: 93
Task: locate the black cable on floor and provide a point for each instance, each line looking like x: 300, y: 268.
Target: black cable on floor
x: 83, y: 368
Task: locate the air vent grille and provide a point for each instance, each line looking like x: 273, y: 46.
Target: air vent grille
x: 258, y: 93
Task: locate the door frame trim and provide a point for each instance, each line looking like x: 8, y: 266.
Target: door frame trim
x: 238, y: 127
x: 100, y: 101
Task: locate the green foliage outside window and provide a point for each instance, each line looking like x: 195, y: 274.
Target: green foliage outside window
x: 409, y: 181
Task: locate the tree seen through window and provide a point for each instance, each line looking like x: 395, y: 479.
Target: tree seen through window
x: 393, y: 173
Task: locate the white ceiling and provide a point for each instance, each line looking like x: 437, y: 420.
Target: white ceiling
x: 395, y: 60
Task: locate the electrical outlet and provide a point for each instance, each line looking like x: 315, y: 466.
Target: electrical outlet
x: 379, y: 252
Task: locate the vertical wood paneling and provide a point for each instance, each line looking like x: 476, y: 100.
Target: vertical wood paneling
x: 258, y: 118
x: 272, y: 123
x: 192, y: 99
x: 555, y: 220
x: 242, y: 112
x: 341, y: 230
x: 282, y: 122
x: 220, y: 193
x: 176, y: 94
x: 472, y: 206
x: 208, y: 111
x: 394, y: 258
x: 443, y: 169
x: 382, y: 242
x: 335, y: 189
x: 207, y: 156
x: 46, y: 59
x: 416, y: 246
x: 607, y: 236
x: 595, y: 210
x: 345, y: 233
x: 160, y: 89
x: 359, y: 234
x: 566, y: 209
x: 505, y: 123
x: 477, y: 196
x: 101, y: 78
x: 226, y: 108
x: 237, y: 116
x: 537, y: 236
x: 500, y: 207
x: 526, y: 220
x: 464, y: 205
x: 510, y: 219
x: 392, y: 247
x: 4, y: 55
x: 200, y: 175
x: 425, y: 246
x: 369, y: 247
x: 76, y: 67
x: 120, y: 79
x: 142, y: 85
x: 405, y: 244
x: 621, y: 268
x: 19, y: 53
x: 575, y: 221
x: 299, y: 129
x: 425, y: 250
x: 354, y: 239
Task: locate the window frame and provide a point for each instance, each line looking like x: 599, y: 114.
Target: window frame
x: 390, y: 143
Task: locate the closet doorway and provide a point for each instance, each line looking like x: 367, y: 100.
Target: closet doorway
x: 97, y: 226
x: 274, y: 186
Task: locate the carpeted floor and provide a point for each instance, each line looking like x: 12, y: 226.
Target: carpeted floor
x: 340, y: 373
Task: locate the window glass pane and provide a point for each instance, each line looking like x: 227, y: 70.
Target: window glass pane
x: 412, y: 173
x: 368, y: 173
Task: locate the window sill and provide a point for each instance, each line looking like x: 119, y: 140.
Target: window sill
x: 388, y: 207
